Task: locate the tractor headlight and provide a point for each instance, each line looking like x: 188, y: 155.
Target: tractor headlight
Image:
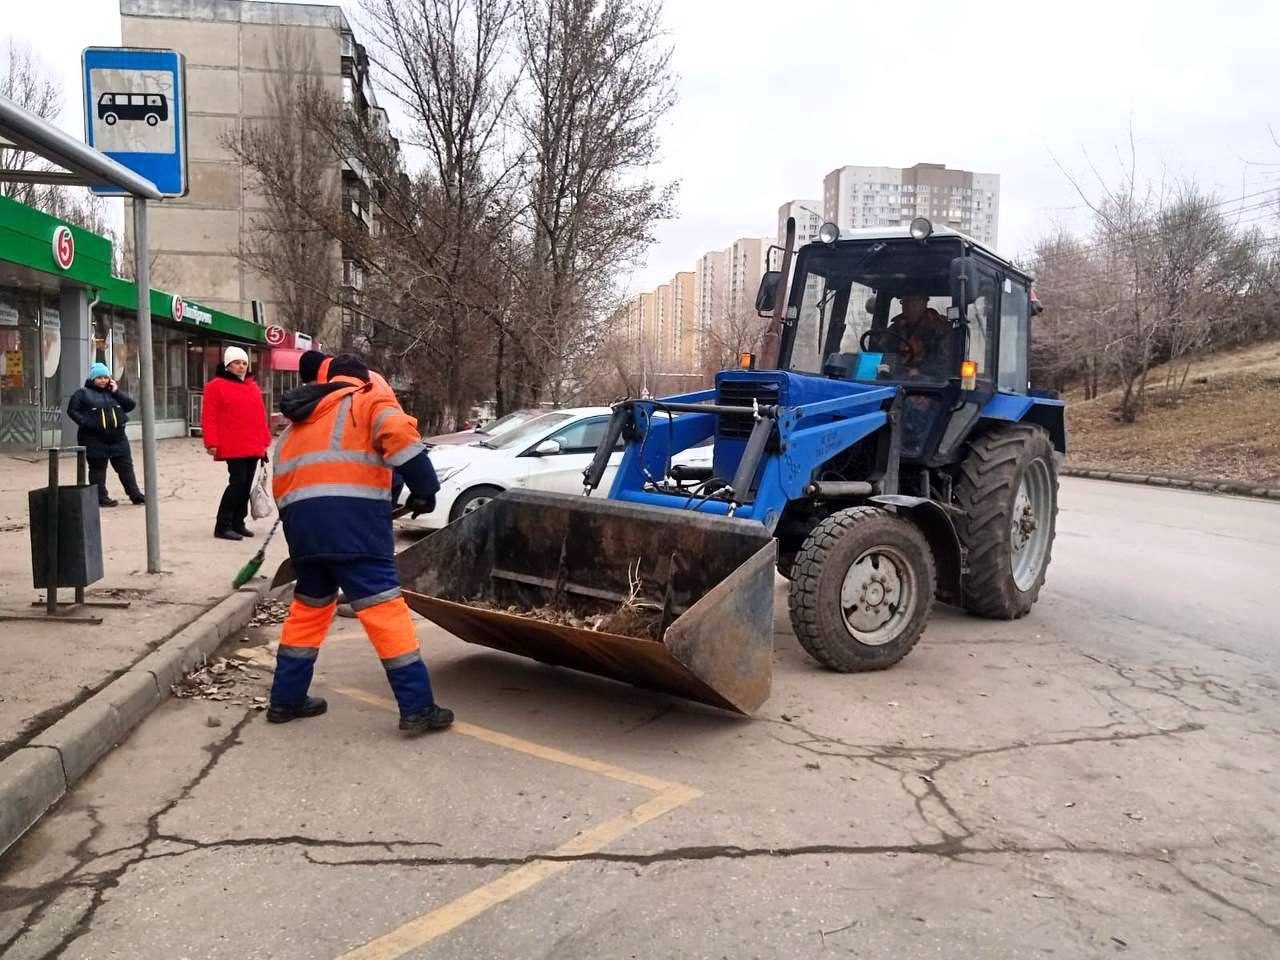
x: 921, y: 228
x: 828, y: 232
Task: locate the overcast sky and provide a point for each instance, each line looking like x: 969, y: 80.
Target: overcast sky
x: 768, y: 108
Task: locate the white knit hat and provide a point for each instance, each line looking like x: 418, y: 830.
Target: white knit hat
x: 232, y: 354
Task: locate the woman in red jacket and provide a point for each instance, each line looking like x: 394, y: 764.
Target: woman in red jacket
x: 234, y: 424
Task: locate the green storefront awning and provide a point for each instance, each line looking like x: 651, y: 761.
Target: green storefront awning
x: 27, y: 238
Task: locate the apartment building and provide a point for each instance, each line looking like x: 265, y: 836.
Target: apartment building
x: 748, y: 259
x: 684, y: 331
x: 809, y: 217
x: 235, y: 52
x: 660, y: 349
x: 857, y: 196
x: 710, y: 296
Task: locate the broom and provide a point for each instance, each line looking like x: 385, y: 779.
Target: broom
x: 250, y: 569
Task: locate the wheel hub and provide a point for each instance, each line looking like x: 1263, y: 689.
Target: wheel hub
x: 1030, y: 524
x: 875, y: 598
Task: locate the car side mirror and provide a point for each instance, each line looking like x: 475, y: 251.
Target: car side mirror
x: 964, y: 281
x: 767, y: 295
x: 547, y: 448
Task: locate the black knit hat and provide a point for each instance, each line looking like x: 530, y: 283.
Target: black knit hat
x: 348, y: 365
x: 309, y: 365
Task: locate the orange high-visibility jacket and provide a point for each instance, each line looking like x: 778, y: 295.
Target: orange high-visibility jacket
x: 332, y: 471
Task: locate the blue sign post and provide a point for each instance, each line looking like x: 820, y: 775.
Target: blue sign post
x: 135, y: 111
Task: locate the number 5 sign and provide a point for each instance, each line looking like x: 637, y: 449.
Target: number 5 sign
x: 64, y: 247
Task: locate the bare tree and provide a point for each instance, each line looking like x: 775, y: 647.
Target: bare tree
x: 25, y: 80
x: 292, y: 167
x: 741, y: 330
x: 598, y: 81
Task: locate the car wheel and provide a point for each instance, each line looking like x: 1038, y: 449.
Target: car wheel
x: 472, y: 500
x: 109, y: 119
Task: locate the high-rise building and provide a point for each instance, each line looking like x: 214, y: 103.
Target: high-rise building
x: 236, y: 52
x: 888, y: 196
x: 710, y: 297
x: 748, y: 259
x: 683, y: 327
x: 809, y: 218
x: 662, y: 326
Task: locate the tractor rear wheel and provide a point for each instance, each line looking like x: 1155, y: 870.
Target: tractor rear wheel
x: 1007, y: 491
x: 861, y: 590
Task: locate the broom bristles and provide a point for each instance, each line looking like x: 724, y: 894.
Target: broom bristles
x: 248, y: 571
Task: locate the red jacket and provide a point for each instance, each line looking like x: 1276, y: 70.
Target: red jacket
x: 232, y: 418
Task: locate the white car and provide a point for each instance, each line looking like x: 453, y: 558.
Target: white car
x: 549, y: 452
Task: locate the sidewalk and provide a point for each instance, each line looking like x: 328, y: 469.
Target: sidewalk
x: 51, y: 667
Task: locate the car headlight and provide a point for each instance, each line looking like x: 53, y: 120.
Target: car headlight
x: 444, y: 473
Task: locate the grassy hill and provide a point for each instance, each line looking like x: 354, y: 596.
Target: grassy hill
x: 1225, y: 425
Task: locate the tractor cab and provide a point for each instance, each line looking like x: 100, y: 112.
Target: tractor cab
x: 930, y: 311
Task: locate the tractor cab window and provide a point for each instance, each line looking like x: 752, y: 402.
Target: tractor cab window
x: 877, y: 309
x: 1014, y: 304
x: 982, y: 320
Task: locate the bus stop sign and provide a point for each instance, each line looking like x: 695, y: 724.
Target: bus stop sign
x: 135, y: 111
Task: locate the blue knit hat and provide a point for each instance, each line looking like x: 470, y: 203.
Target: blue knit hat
x: 99, y: 370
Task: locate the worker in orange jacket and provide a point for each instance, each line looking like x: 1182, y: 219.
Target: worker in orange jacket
x: 332, y: 484
x: 313, y: 367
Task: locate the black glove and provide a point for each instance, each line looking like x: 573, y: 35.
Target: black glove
x: 418, y: 505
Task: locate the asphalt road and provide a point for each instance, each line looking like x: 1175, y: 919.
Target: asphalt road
x: 1098, y: 780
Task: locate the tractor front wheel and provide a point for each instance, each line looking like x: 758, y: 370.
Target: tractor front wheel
x: 1007, y: 492
x: 861, y: 591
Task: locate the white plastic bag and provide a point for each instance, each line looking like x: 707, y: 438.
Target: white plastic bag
x: 261, y: 503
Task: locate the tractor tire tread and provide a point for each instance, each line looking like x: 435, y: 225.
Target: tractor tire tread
x: 984, y: 490
x: 804, y: 601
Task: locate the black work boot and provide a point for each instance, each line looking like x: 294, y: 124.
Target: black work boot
x: 310, y: 707
x: 222, y: 534
x: 243, y: 530
x: 107, y: 502
x: 435, y: 717
x: 137, y: 499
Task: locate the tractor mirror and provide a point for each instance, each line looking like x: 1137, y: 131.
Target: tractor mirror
x: 964, y: 281
x: 767, y: 295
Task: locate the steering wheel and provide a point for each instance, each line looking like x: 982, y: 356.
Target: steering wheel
x: 864, y: 342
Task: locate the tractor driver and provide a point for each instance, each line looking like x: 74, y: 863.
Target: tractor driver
x: 919, y: 335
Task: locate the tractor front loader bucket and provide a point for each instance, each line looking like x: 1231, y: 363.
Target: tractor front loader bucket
x: 666, y: 599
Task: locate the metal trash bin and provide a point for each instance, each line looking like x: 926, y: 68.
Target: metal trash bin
x: 66, y: 532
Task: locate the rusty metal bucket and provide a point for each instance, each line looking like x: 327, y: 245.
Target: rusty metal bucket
x: 702, y: 584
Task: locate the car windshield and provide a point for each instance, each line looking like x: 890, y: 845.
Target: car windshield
x: 509, y: 422
x: 887, y: 296
x: 526, y: 432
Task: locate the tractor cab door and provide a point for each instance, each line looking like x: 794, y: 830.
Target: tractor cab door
x: 1012, y: 375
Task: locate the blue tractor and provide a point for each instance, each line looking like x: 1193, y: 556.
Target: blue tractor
x: 886, y: 451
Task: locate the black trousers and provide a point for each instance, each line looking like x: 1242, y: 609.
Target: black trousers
x: 234, y: 506
x: 124, y: 470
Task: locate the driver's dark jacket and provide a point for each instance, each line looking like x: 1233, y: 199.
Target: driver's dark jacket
x: 926, y: 340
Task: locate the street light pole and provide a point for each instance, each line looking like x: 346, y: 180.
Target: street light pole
x: 142, y: 284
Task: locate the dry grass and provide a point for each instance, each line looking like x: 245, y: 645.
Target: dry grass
x: 1225, y: 426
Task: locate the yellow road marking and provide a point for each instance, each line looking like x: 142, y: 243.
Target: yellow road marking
x: 422, y: 930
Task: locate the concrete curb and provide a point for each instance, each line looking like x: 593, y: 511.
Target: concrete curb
x: 35, y: 777
x: 1228, y: 487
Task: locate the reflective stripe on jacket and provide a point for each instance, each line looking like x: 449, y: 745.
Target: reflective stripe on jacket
x: 332, y: 470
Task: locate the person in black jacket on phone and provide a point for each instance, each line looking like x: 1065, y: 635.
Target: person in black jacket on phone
x: 100, y: 409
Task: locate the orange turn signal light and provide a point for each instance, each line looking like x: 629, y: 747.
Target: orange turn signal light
x: 747, y: 361
x: 968, y: 374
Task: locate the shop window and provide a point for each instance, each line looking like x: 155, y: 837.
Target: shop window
x: 20, y: 417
